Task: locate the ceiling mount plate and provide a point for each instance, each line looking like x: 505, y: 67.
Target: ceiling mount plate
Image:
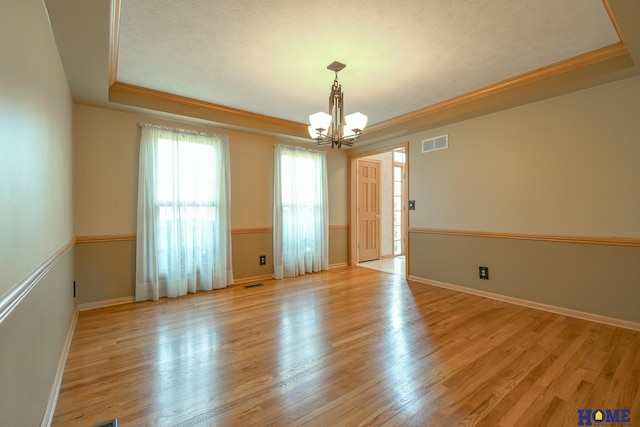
x: 335, y: 66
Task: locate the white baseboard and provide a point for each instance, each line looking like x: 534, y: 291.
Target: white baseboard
x: 50, y: 410
x: 106, y: 303
x: 531, y: 304
x: 245, y: 280
x: 338, y: 265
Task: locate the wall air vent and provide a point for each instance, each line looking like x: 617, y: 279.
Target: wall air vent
x: 437, y: 143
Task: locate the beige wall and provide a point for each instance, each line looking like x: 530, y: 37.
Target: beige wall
x: 595, y: 279
x: 107, y: 270
x: 36, y: 215
x: 35, y: 138
x: 32, y: 342
x: 106, y: 144
x: 566, y: 165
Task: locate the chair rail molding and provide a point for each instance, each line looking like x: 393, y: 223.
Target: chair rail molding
x: 12, y: 298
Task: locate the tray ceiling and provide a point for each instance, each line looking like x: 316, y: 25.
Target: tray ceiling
x: 270, y: 57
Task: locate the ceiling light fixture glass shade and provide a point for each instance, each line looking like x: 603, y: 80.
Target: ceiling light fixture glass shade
x: 320, y: 121
x: 334, y: 128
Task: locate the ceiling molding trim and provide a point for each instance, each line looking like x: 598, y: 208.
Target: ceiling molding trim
x: 557, y: 238
x: 561, y: 67
x: 102, y: 238
x: 223, y: 113
x: 612, y: 18
x: 114, y: 38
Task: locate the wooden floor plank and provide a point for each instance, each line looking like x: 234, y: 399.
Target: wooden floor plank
x: 352, y: 346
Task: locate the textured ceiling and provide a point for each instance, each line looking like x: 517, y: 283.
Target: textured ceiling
x: 270, y: 57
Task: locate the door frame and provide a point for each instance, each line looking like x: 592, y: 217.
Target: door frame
x: 405, y: 207
x: 352, y: 194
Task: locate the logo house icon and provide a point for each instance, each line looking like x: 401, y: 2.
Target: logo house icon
x: 598, y: 416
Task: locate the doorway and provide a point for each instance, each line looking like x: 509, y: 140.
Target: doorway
x: 392, y: 217
x: 369, y: 209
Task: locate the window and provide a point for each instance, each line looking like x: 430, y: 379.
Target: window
x: 300, y: 214
x: 183, y: 242
x: 398, y: 202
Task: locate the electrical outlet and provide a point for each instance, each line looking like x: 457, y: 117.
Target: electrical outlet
x: 484, y: 273
x: 263, y: 260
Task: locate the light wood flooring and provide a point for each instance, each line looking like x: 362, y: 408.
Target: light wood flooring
x: 352, y: 346
x: 393, y: 265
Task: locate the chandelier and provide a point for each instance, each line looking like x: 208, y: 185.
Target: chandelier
x: 334, y: 128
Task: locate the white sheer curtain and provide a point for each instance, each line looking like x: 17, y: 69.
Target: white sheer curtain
x: 184, y: 232
x: 300, y: 212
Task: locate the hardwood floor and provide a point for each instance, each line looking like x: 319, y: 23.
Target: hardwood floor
x: 352, y: 346
x: 393, y: 265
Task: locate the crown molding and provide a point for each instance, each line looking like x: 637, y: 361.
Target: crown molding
x: 143, y: 97
x: 482, y: 101
x: 581, y: 61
